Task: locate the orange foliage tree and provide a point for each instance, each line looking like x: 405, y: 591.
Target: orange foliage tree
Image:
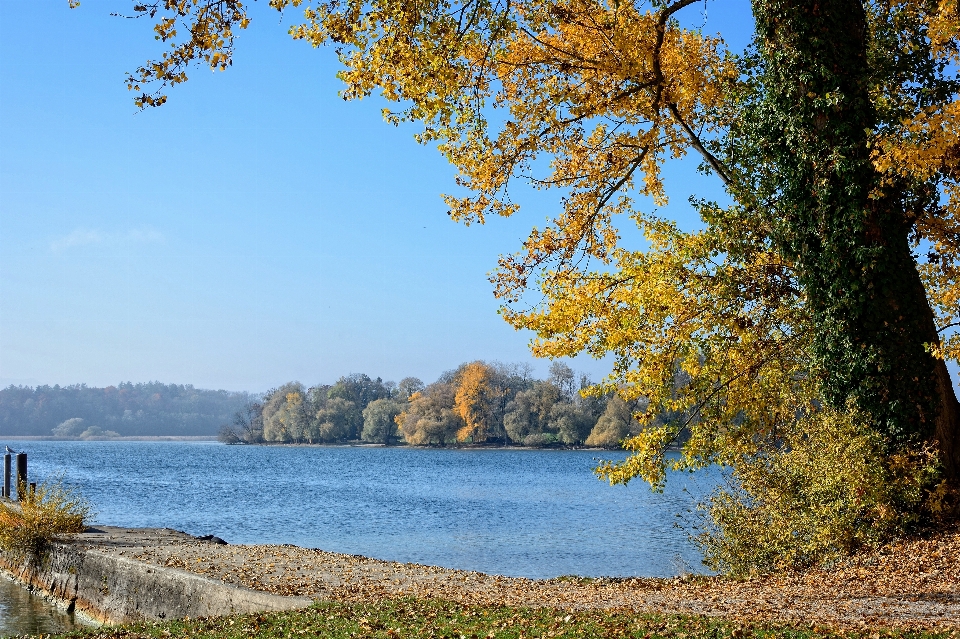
x: 474, y: 402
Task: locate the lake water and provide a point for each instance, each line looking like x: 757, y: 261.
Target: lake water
x: 22, y: 612
x: 530, y: 513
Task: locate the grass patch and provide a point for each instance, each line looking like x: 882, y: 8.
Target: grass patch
x: 393, y: 618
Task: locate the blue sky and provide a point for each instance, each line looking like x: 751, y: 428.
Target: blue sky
x: 256, y: 229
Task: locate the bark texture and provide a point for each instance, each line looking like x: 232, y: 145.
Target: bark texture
x: 849, y: 239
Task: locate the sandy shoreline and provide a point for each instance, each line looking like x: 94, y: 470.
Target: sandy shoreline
x: 910, y: 584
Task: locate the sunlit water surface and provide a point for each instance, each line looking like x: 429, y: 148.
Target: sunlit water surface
x: 530, y: 513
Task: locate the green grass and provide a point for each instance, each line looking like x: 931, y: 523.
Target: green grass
x: 442, y: 619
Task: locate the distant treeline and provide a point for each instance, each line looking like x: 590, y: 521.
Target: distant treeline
x: 476, y: 403
x: 127, y: 409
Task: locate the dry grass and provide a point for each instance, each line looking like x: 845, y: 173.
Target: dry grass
x: 50, y: 512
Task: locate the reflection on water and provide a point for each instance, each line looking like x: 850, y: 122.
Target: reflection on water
x: 22, y: 612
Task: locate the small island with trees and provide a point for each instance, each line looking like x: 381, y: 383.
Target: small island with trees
x: 477, y: 403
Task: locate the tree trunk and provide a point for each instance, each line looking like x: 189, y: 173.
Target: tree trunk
x: 947, y: 431
x: 848, y: 238
x: 947, y: 423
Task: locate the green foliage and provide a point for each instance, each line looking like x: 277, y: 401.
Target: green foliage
x: 285, y: 416
x: 572, y: 421
x: 338, y: 420
x: 407, y: 387
x: 540, y: 440
x: 807, y: 136
x: 529, y: 412
x: 393, y: 618
x: 27, y: 526
x: 826, y: 82
x: 359, y: 389
x: 550, y: 412
x: 821, y: 490
x: 379, y: 421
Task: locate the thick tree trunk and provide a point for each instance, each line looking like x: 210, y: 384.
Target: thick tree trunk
x: 946, y: 430
x: 848, y: 238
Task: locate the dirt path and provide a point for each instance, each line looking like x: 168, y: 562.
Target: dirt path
x: 909, y: 584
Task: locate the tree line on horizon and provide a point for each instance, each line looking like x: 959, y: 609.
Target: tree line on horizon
x: 79, y: 411
x: 476, y: 403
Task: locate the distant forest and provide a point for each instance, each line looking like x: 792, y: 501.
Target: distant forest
x: 82, y: 412
x: 477, y: 403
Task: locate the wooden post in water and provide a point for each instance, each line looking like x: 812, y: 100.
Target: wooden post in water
x: 21, y: 476
x: 6, y: 475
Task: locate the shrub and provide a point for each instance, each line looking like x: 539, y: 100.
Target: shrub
x: 95, y: 432
x: 52, y: 511
x: 821, y: 491
x: 70, y: 428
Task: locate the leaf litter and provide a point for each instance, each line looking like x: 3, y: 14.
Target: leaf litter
x: 908, y: 584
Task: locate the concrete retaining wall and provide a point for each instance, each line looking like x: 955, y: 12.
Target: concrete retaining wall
x: 111, y: 589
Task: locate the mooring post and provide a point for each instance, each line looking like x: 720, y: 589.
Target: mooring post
x: 21, y: 476
x: 6, y: 475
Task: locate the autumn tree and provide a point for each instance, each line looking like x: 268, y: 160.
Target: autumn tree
x: 429, y: 418
x: 818, y: 305
x: 407, y: 387
x: 614, y: 426
x: 474, y: 402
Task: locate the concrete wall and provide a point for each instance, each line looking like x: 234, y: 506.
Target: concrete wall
x: 111, y: 589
